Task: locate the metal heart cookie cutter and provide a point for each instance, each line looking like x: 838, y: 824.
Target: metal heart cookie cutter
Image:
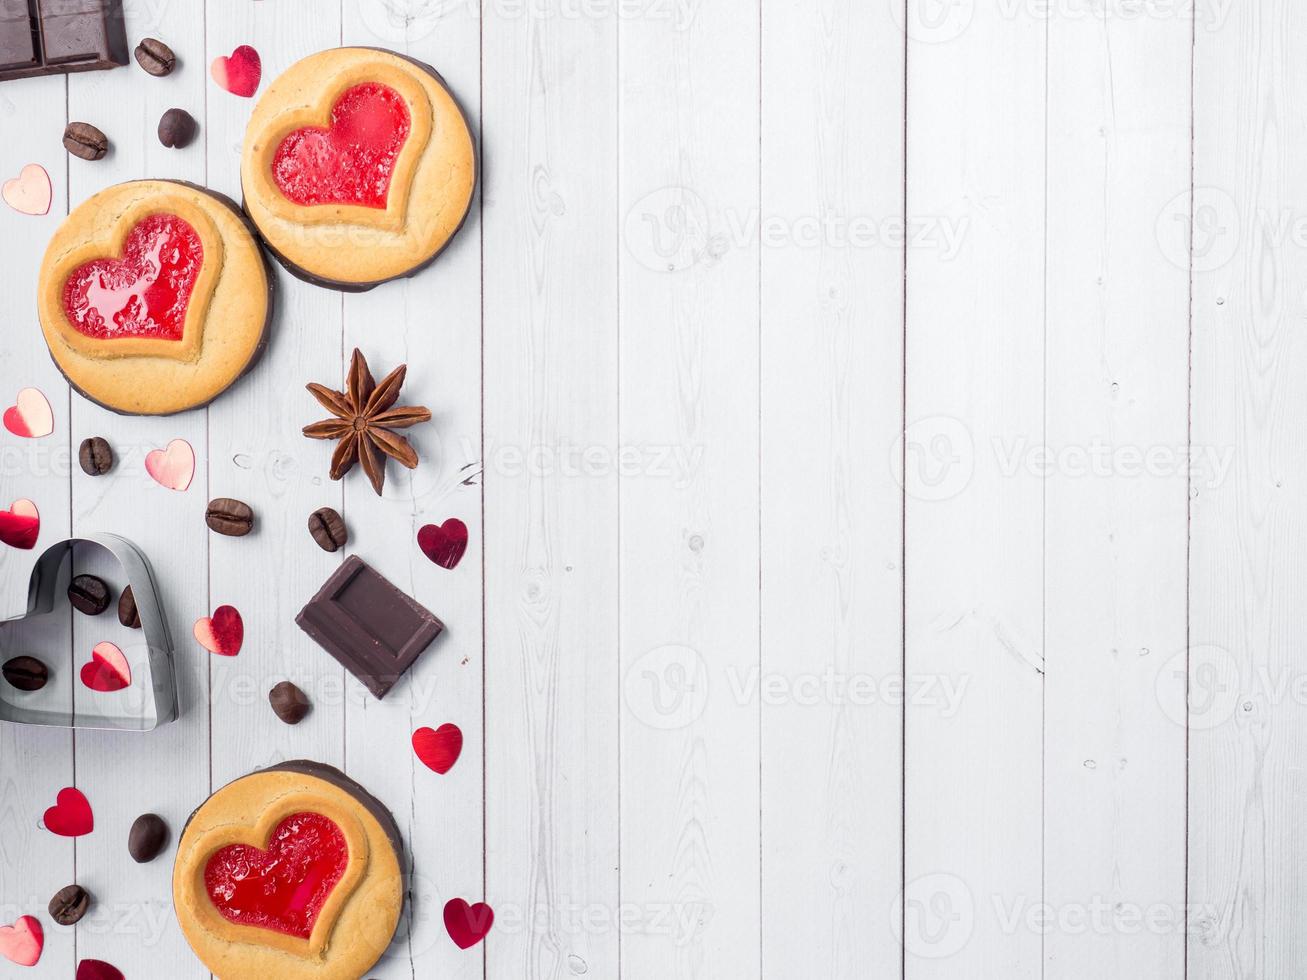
x: 151, y: 698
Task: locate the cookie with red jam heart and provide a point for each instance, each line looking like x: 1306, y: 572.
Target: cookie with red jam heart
x: 154, y: 297
x: 358, y: 167
x: 292, y: 872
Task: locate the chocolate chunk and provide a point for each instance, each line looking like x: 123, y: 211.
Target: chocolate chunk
x: 289, y: 703
x: 88, y: 594
x: 374, y: 630
x: 26, y: 673
x: 233, y: 518
x: 69, y: 904
x: 328, y: 529
x: 148, y: 836
x: 155, y: 57
x: 85, y: 141
x: 52, y: 37
x: 177, y: 128
x: 127, y: 614
x: 96, y: 456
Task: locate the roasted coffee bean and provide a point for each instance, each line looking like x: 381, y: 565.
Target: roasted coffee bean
x: 26, y: 673
x: 127, y: 614
x: 88, y: 594
x: 155, y: 57
x: 328, y: 529
x: 96, y: 456
x: 289, y: 703
x: 233, y: 518
x: 148, y: 836
x: 85, y: 141
x: 69, y: 905
x: 177, y: 128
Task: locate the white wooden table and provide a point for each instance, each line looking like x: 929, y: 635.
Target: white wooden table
x: 738, y: 701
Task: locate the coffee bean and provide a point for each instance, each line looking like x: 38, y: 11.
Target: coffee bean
x: 69, y: 905
x: 127, y: 614
x: 233, y: 518
x: 148, y: 836
x: 96, y: 456
x: 289, y: 703
x: 85, y: 141
x: 26, y: 673
x: 328, y: 529
x: 155, y: 57
x: 177, y: 128
x: 88, y: 594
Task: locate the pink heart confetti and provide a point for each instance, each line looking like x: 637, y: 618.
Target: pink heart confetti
x: 238, y: 73
x: 107, y: 670
x: 30, y: 191
x: 173, y: 467
x: 222, y: 633
x: 20, y: 525
x: 30, y: 416
x: 23, y: 941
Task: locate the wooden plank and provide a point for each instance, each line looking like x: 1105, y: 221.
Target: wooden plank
x: 164, y: 772
x: 34, y: 863
x: 1247, y: 619
x: 973, y: 591
x: 832, y: 389
x: 1116, y: 492
x: 690, y: 529
x: 258, y: 455
x: 551, y: 545
x: 433, y: 323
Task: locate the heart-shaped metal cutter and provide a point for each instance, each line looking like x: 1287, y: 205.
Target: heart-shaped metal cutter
x: 155, y: 697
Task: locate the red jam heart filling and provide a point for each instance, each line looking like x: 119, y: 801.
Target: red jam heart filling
x: 143, y: 294
x: 351, y: 161
x: 284, y: 887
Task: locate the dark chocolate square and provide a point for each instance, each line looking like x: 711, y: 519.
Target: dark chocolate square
x: 18, y: 35
x: 77, y: 31
x: 373, y: 629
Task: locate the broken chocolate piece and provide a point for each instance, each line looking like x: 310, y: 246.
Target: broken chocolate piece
x: 57, y: 36
x: 374, y: 630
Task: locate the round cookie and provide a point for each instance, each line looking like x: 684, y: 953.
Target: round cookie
x: 293, y: 872
x: 358, y: 167
x: 154, y: 297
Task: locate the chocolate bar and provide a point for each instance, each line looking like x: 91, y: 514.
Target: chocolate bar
x: 51, y: 37
x: 374, y: 630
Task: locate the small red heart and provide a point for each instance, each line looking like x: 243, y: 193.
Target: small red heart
x: 107, y: 669
x: 222, y: 633
x: 71, y: 815
x: 98, y: 970
x: 467, y: 924
x: 30, y: 416
x: 438, y: 748
x: 23, y: 941
x: 20, y: 525
x: 444, y: 543
x: 238, y: 73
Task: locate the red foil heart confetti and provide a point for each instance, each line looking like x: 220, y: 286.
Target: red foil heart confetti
x: 284, y: 886
x: 350, y: 161
x: 438, y: 748
x: 30, y: 416
x: 222, y: 633
x: 107, y: 670
x: 467, y: 924
x: 20, y: 525
x: 71, y: 815
x: 444, y: 543
x: 143, y: 294
x: 98, y: 970
x: 23, y: 941
x: 238, y: 73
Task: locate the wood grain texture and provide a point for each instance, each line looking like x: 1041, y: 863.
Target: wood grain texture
x: 1247, y: 620
x: 832, y: 389
x: 433, y: 324
x: 973, y: 532
x: 1116, y: 492
x: 689, y: 124
x: 551, y: 535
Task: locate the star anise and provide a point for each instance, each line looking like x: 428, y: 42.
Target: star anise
x: 365, y: 412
